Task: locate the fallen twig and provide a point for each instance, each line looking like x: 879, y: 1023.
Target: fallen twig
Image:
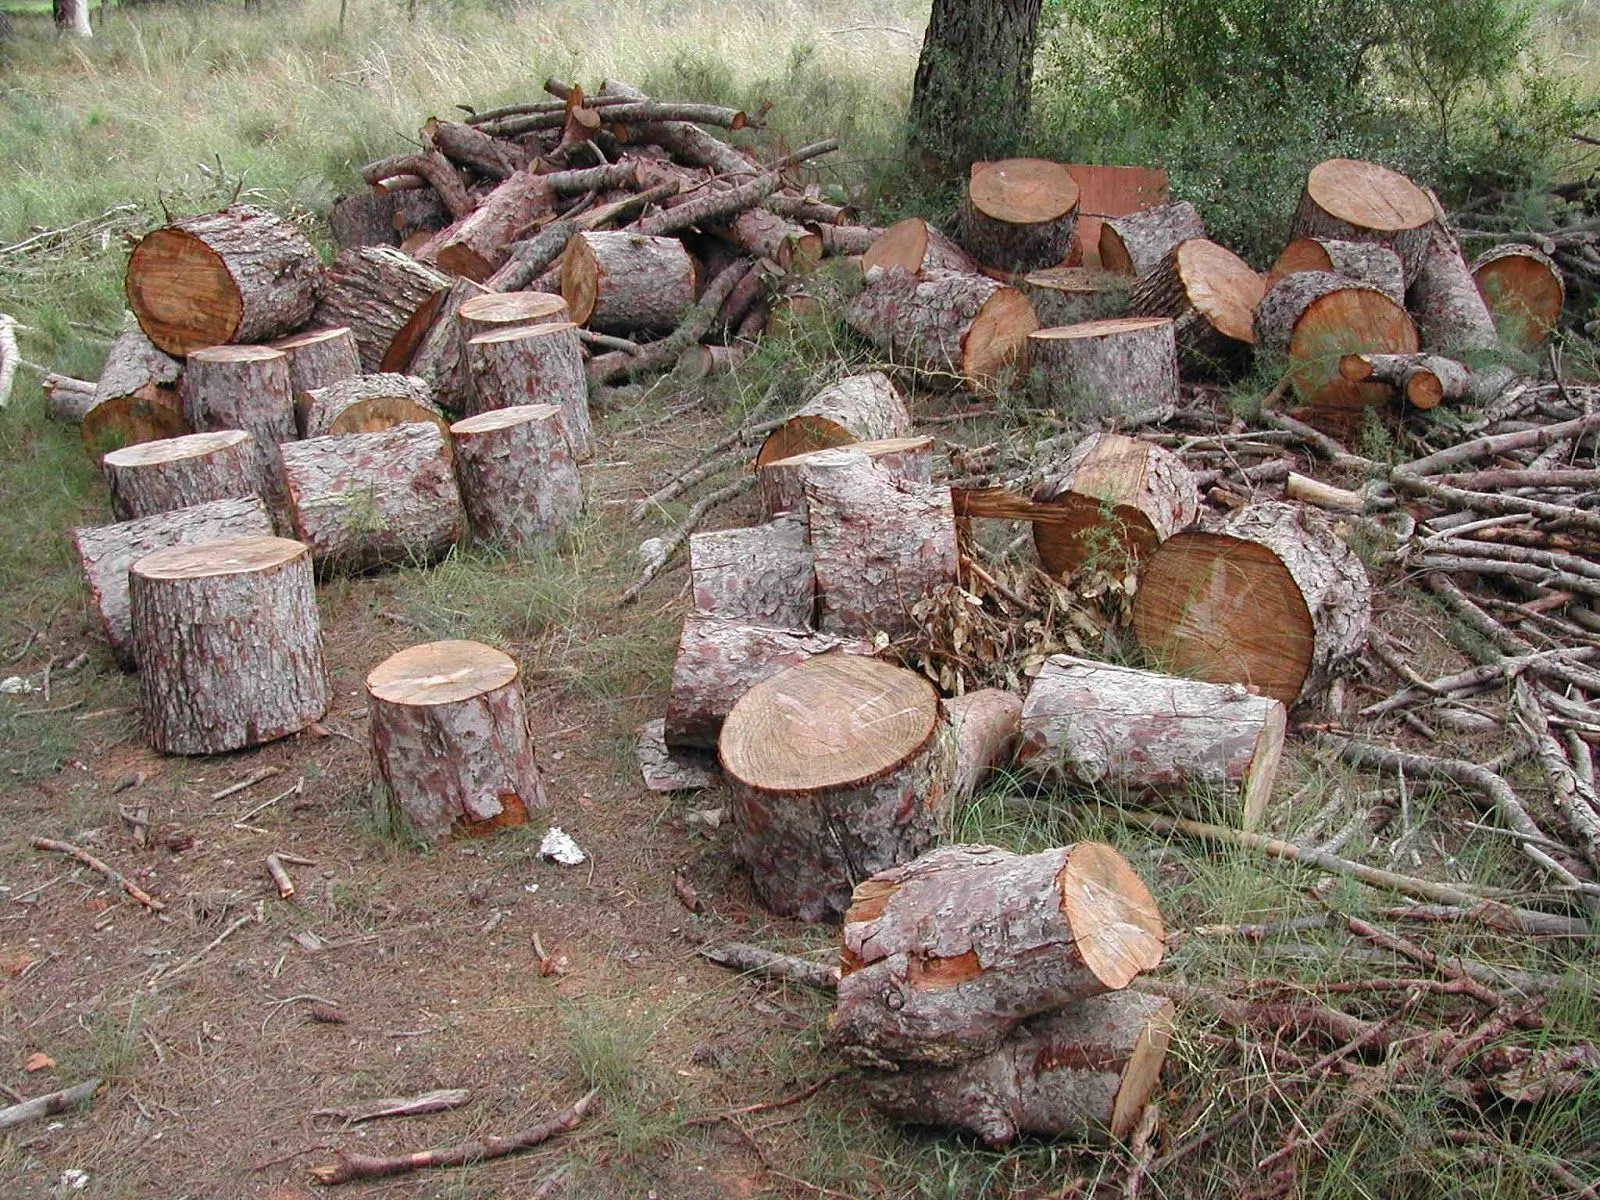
x: 441, y: 1100
x: 47, y: 1106
x: 248, y: 782
x: 94, y: 864
x: 769, y: 964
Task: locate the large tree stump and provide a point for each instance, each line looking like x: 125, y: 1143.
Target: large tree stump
x: 228, y: 643
x: 475, y: 246
x: 1352, y: 201
x: 450, y: 738
x: 627, y: 282
x: 1073, y: 295
x: 1211, y: 295
x: 960, y: 330
x: 373, y: 291
x: 1450, y: 312
x: 369, y: 404
x: 1110, y: 368
x: 985, y: 724
x: 502, y: 310
x: 534, y: 364
x: 518, y: 478
x: 761, y: 575
x: 1019, y: 214
x: 1136, y: 244
x: 782, y: 481
x: 157, y: 477
x: 942, y: 957
x: 239, y: 275
x: 858, y: 408
x: 136, y: 398
x: 107, y: 551
x: 837, y: 768
x: 1084, y: 1072
x: 365, y: 500
x: 1365, y: 262
x: 319, y: 357
x: 1112, y: 501
x: 432, y: 347
x: 1267, y: 596
x: 1140, y: 733
x: 917, y: 247
x: 1524, y: 291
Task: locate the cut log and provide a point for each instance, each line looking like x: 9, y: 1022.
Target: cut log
x: 1450, y: 312
x: 107, y: 551
x: 502, y: 310
x: 782, y: 489
x: 239, y: 275
x: 837, y: 768
x: 1019, y: 214
x: 1268, y: 596
x: 67, y: 399
x: 476, y: 246
x: 534, y: 364
x: 1352, y: 201
x: 1365, y: 262
x: 667, y: 768
x: 687, y: 143
x: 419, y: 214
x: 985, y: 724
x: 942, y: 957
x: 136, y: 398
x: 318, y: 358
x: 760, y: 575
x: 364, y: 500
x: 858, y: 408
x: 432, y: 347
x: 703, y: 362
x: 1113, y: 501
x: 1073, y: 295
x: 1524, y: 291
x: 767, y: 235
x: 1425, y: 380
x: 373, y: 292
x: 473, y: 148
x: 1211, y: 294
x: 365, y: 219
x: 518, y: 478
x: 1136, y: 244
x: 1137, y: 734
x: 240, y: 387
x: 917, y: 247
x: 719, y: 661
x: 368, y: 404
x: 1084, y: 1072
x: 450, y: 739
x: 627, y: 283
x: 157, y: 477
x: 842, y: 241
x: 228, y: 643
x: 1105, y: 369
x: 811, y: 210
x: 961, y: 330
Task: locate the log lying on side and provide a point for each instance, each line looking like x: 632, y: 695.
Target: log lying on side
x: 1144, y: 733
x: 766, y: 235
x: 502, y: 310
x: 1365, y: 262
x: 229, y: 644
x: 1073, y: 295
x: 157, y: 477
x: 1135, y: 244
x: 702, y: 362
x: 1113, y: 500
x: 518, y: 478
x: 627, y: 282
x: 1110, y: 368
x: 1211, y: 295
x: 837, y: 768
x: 1349, y: 200
x: 1267, y: 596
x: 761, y: 575
x: 942, y: 957
x: 917, y: 248
x: 373, y: 291
x: 1020, y: 214
x: 534, y: 364
x: 1450, y: 312
x: 368, y: 404
x: 1425, y: 380
x: 449, y: 731
x: 1524, y: 291
x: 136, y: 398
x: 846, y: 240
x: 782, y: 485
x: 858, y: 408
x: 432, y: 347
x: 685, y: 142
x: 364, y: 219
x: 319, y: 357
x: 67, y: 399
x: 1084, y: 1072
x: 477, y: 244
x: 985, y: 725
x: 239, y: 275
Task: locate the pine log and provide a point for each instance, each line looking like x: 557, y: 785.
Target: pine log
x: 781, y: 480
x: 240, y: 387
x: 477, y: 245
x: 517, y: 474
x: 364, y: 500
x: 917, y: 248
x: 1135, y: 244
x: 943, y: 957
x: 1113, y: 501
x: 1365, y: 262
x: 499, y: 310
x: 450, y: 739
x: 67, y: 399
x: 858, y: 408
x: 627, y: 283
x: 1211, y: 294
x: 534, y: 364
x: 1267, y: 596
x: 810, y: 210
x: 157, y: 477
x: 106, y: 552
x: 1073, y: 295
x: 1450, y: 312
x: 318, y: 358
x: 1105, y: 369
x: 1352, y: 201
x: 961, y: 330
x: 365, y: 219
x: 1019, y: 214
x: 687, y: 143
x: 767, y: 235
x: 136, y: 397
x: 760, y: 575
x: 1524, y: 291
x: 368, y: 404
x: 432, y: 347
x: 1139, y: 733
x: 469, y: 147
x: 1084, y: 1072
x: 719, y: 661
x: 985, y: 724
x: 373, y: 292
x: 837, y: 768
x: 228, y: 643
x: 703, y: 362
x: 431, y: 166
x: 846, y: 241
x: 704, y: 206
x: 1425, y: 380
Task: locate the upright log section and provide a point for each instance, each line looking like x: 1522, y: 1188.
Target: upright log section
x: 1525, y: 292
x: 240, y: 387
x: 1211, y: 295
x: 373, y: 291
x: 917, y: 247
x: 503, y: 310
x: 1267, y: 596
x: 534, y: 364
x: 228, y: 643
x: 1365, y: 262
x: 319, y: 357
x: 782, y: 485
x: 942, y: 957
x: 761, y: 575
x: 239, y: 275
x: 1100, y: 369
x: 628, y: 282
x: 1135, y: 244
x: 1073, y: 295
x: 136, y: 398
x: 368, y: 404
x: 157, y: 477
x: 857, y: 408
x: 837, y: 768
x: 450, y: 738
x: 518, y: 477
x: 1348, y: 200
x: 1020, y: 214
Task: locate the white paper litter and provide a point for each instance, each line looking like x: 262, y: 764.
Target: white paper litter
x: 557, y: 847
x: 17, y: 685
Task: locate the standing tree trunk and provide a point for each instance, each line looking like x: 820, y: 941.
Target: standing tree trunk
x: 974, y: 78
x: 72, y: 16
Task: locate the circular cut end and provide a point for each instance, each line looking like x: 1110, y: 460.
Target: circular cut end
x: 1116, y: 926
x: 512, y: 308
x: 131, y: 420
x: 1225, y: 610
x: 1524, y: 298
x: 311, y: 337
x: 1222, y: 287
x: 1424, y: 390
x: 235, y: 354
x: 903, y: 244
x: 1079, y: 531
x: 1256, y: 788
x: 504, y: 418
x: 878, y: 448
x: 1109, y: 327
x: 1142, y: 1071
x: 1352, y: 320
x: 182, y: 293
x: 440, y: 673
x: 835, y: 721
x: 193, y: 445
x: 802, y: 435
x: 580, y: 279
x: 1368, y: 196
x: 1302, y: 254
x: 1074, y: 281
x: 997, y: 334
x: 1022, y: 191
x: 523, y: 333
x: 230, y: 556
x: 378, y: 413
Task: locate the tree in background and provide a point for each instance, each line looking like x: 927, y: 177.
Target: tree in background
x: 72, y: 16
x: 974, y: 81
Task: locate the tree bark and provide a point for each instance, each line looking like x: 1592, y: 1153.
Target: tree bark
x: 782, y: 480
x: 687, y: 143
x: 1365, y: 262
x: 1450, y: 312
x: 243, y: 387
x: 767, y: 235
x: 627, y: 283
x: 1105, y: 369
x: 72, y: 17
x: 1136, y: 244
x: 1352, y: 201
x: 534, y: 364
x: 369, y: 404
x: 1020, y: 214
x: 918, y: 248
x: 477, y: 245
x: 432, y: 347
x: 136, y: 397
x: 518, y: 477
x: 1211, y: 295
x: 180, y: 472
x: 373, y: 292
x: 857, y: 408
x: 365, y: 219
x: 759, y: 576
x: 1073, y: 295
x: 67, y: 399
x: 985, y: 724
x: 1425, y: 380
x: 976, y: 64
x: 317, y: 358
x: 1524, y: 291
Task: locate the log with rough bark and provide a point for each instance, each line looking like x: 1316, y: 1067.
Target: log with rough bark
x: 766, y: 235
x: 1425, y: 380
x: 373, y: 291
x: 961, y: 330
x: 518, y: 477
x: 811, y: 210
x: 365, y: 219
x: 1110, y: 368
x: 477, y: 244
x: 364, y: 500
x: 1136, y: 244
x: 240, y: 387
x: 761, y: 575
x: 157, y: 477
x: 838, y: 768
x: 1113, y: 501
x: 228, y: 643
x: 1524, y: 291
x: 665, y: 768
x: 1267, y: 596
x: 319, y: 357
x: 719, y: 661
x: 1141, y: 733
x: 418, y: 215
x: 1211, y: 294
x: 432, y: 347
x: 1349, y: 200
x: 534, y: 364
x: 782, y: 489
x: 1450, y: 312
x: 1019, y: 214
x: 1084, y: 1072
x: 67, y: 399
x: 431, y: 166
x: 500, y: 310
x: 985, y: 724
x: 1073, y: 295
x: 703, y: 362
x: 627, y: 282
x: 475, y: 149
x: 917, y: 247
x: 450, y: 738
x: 858, y: 408
x: 136, y: 397
x: 107, y: 551
x: 239, y: 275
x: 846, y: 241
x: 942, y: 957
x: 1365, y: 262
